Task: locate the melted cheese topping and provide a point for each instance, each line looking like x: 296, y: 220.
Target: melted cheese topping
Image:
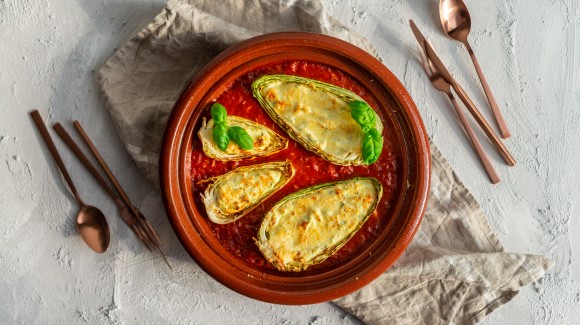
x: 266, y: 141
x: 310, y: 227
x: 320, y: 117
x: 240, y: 190
x: 234, y: 194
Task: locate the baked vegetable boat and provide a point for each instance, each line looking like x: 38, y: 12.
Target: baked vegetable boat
x: 315, y: 114
x: 266, y: 141
x: 237, y: 192
x: 310, y: 225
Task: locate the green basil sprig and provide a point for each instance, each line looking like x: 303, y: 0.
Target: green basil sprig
x: 222, y: 133
x: 372, y: 146
x: 220, y: 136
x: 372, y: 143
x: 241, y: 137
x: 362, y: 114
x: 219, y: 113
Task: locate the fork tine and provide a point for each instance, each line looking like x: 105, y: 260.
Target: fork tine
x: 429, y: 60
x: 430, y: 70
x: 147, y: 228
x: 163, y: 255
x: 433, y: 69
x: 424, y: 61
x: 148, y: 236
x: 151, y: 242
x: 150, y: 232
x: 137, y: 229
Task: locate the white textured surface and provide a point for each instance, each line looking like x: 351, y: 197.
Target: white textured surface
x: 529, y: 52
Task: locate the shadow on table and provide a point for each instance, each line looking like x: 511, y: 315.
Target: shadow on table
x: 76, y: 96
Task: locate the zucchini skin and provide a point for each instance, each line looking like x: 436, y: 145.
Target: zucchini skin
x: 218, y: 216
x: 263, y: 236
x: 352, y: 157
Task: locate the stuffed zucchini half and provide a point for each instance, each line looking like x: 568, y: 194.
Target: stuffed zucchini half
x: 266, y: 141
x: 307, y: 227
x: 237, y: 192
x: 315, y: 114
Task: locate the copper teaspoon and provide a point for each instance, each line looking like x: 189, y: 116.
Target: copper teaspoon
x: 456, y: 23
x: 91, y: 222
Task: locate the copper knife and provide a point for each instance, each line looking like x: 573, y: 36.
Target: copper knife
x: 432, y: 55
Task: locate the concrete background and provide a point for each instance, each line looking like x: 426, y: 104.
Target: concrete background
x: 530, y: 52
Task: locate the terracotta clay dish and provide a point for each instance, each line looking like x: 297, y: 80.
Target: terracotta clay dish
x: 228, y: 252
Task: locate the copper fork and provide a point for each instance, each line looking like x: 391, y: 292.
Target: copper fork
x: 442, y: 85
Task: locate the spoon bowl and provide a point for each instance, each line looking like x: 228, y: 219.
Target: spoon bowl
x: 456, y: 23
x: 93, y: 228
x: 455, y: 19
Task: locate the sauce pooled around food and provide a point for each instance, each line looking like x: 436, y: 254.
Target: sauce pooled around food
x: 310, y: 169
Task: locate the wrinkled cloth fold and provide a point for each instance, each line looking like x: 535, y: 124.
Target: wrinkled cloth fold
x: 455, y: 271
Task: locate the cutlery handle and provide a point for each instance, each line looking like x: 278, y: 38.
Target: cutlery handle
x: 54, y: 152
x: 505, y: 132
x: 103, y: 164
x: 65, y: 136
x: 503, y: 151
x: 491, y: 172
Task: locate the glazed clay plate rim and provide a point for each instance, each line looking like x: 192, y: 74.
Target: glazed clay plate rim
x: 173, y: 174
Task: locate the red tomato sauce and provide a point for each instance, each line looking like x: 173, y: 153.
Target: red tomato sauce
x: 310, y: 169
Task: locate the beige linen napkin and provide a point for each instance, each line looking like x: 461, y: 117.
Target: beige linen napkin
x: 454, y: 271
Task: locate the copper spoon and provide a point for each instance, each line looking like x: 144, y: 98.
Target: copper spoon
x: 91, y: 222
x: 456, y: 23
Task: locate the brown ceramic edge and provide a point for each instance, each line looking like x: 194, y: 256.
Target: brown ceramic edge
x: 420, y: 137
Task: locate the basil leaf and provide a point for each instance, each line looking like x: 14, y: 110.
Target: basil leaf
x: 363, y: 114
x: 220, y: 136
x: 372, y: 146
x: 218, y: 113
x: 241, y: 137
